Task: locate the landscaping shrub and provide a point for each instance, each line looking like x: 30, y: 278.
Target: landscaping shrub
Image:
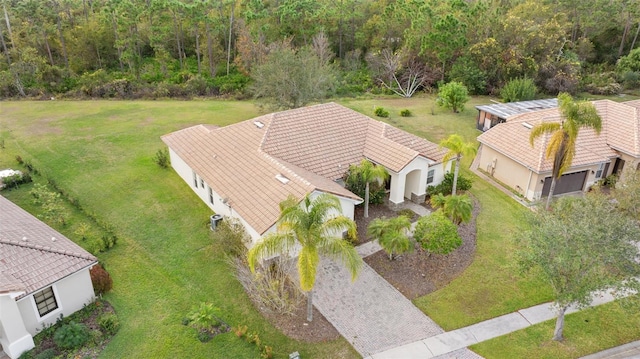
x: 437, y: 234
x: 206, y: 321
x: 233, y: 83
x: 71, y: 336
x: 108, y: 241
x: 46, y: 354
x: 109, y: 323
x: 51, y: 203
x: 231, y: 237
x: 381, y: 112
x: 101, y: 279
x: 354, y: 183
x: 446, y: 186
x: 16, y: 180
x: 519, y: 89
x: 270, y: 285
x: 405, y: 113
x: 162, y: 158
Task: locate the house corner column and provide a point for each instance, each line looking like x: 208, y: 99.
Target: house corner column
x: 396, y: 195
x: 14, y: 337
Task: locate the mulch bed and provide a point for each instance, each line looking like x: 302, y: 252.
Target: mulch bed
x: 419, y: 273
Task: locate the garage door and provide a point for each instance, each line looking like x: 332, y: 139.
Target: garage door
x: 570, y: 182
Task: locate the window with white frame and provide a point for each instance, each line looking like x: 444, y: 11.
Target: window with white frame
x: 600, y: 170
x: 201, y: 182
x: 210, y: 195
x: 430, y: 176
x: 195, y: 179
x: 45, y: 301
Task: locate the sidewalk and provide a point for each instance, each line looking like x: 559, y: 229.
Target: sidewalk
x: 454, y: 340
x: 627, y: 351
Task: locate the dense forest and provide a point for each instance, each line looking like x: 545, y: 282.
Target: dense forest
x: 186, y: 48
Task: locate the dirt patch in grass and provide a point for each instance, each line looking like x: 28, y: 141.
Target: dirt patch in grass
x: 418, y: 273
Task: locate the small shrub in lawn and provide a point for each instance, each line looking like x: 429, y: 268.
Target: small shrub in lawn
x: 162, y: 158
x: 240, y: 331
x: 108, y: 241
x: 71, y: 336
x: 405, y: 113
x: 109, y: 323
x: 266, y: 352
x: 19, y: 160
x: 381, y: 112
x: 205, y: 320
x: 101, y: 279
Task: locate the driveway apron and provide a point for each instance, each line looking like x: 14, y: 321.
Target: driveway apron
x: 370, y: 313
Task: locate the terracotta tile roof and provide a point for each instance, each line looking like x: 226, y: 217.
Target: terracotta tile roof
x: 32, y: 254
x: 620, y: 131
x: 311, y: 146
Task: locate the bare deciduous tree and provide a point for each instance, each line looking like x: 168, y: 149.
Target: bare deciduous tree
x: 404, y: 78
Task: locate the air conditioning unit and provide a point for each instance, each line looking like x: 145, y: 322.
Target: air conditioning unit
x: 215, y: 219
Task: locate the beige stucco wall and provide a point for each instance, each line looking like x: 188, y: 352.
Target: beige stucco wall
x: 412, y: 179
x: 507, y: 171
x: 71, y: 292
x: 523, y: 180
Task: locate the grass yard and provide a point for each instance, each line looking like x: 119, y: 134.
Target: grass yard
x: 101, y: 154
x: 585, y: 332
x: 164, y: 262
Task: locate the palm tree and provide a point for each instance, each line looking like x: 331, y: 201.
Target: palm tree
x: 368, y: 173
x: 392, y: 234
x: 457, y: 148
x: 314, y: 227
x: 457, y: 207
x: 562, y: 144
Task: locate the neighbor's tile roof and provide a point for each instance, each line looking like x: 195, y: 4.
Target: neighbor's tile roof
x: 620, y: 131
x: 32, y: 254
x: 311, y: 146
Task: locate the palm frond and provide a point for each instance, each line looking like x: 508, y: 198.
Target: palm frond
x: 308, y: 261
x: 270, y: 245
x: 542, y: 128
x: 341, y: 250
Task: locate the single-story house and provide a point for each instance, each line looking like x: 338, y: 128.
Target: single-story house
x: 506, y: 154
x: 246, y: 169
x: 43, y: 275
x: 491, y: 115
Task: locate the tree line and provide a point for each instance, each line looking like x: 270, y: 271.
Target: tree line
x: 181, y: 48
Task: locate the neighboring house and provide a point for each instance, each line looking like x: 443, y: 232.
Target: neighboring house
x: 491, y: 115
x: 43, y: 275
x: 246, y: 169
x: 506, y: 154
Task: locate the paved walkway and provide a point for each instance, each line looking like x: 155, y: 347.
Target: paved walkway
x: 627, y: 351
x: 449, y: 342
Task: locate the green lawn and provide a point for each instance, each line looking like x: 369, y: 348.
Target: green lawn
x: 100, y: 153
x: 586, y: 332
x: 164, y: 263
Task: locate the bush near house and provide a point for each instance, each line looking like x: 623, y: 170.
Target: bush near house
x: 446, y: 186
x: 81, y: 335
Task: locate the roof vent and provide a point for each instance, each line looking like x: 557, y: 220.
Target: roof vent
x: 527, y: 125
x: 24, y: 239
x: 258, y: 124
x: 53, y: 239
x: 282, y: 178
